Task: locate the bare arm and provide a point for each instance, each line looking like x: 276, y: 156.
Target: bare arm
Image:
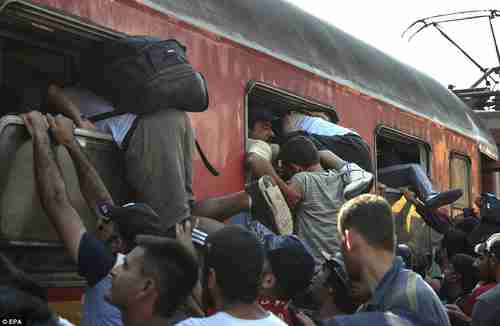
x: 330, y: 160
x: 51, y: 187
x: 91, y: 185
x: 63, y: 104
x: 260, y: 167
x: 222, y: 208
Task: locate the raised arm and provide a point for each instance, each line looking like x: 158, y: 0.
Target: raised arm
x: 51, y: 187
x: 91, y: 185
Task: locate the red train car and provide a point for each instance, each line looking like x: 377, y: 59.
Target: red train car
x: 253, y: 54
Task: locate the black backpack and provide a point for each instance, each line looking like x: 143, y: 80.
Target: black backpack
x: 142, y: 74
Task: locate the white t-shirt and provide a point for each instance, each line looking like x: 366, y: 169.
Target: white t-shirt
x: 223, y: 319
x: 261, y: 148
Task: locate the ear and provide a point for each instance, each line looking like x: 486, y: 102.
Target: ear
x: 150, y: 288
x: 212, y: 279
x: 268, y: 280
x: 348, y: 238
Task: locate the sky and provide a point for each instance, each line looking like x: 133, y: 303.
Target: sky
x: 381, y: 23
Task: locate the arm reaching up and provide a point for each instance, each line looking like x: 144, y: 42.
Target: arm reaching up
x: 51, y: 187
x: 91, y: 184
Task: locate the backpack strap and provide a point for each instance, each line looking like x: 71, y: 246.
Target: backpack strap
x: 411, y: 290
x: 205, y: 160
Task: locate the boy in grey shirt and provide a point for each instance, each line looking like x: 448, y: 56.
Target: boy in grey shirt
x: 321, y: 192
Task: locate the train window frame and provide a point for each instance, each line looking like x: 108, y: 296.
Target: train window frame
x: 457, y: 207
x: 401, y: 136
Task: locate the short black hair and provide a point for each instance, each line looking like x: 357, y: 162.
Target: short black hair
x: 173, y: 267
x: 237, y: 257
x: 371, y: 216
x: 299, y: 150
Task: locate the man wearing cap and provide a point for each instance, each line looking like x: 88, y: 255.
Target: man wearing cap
x: 232, y: 275
x: 288, y: 271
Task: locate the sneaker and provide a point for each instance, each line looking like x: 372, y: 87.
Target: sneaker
x: 269, y: 206
x: 357, y: 180
x: 439, y: 199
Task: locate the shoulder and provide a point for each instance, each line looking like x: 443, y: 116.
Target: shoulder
x: 259, y: 147
x: 272, y: 319
x: 217, y: 319
x: 491, y: 295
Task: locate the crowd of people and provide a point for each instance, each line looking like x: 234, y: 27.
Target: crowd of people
x: 304, y: 243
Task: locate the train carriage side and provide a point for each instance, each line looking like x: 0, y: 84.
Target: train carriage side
x: 269, y: 53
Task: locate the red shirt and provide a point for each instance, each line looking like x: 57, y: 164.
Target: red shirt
x: 471, y: 300
x: 277, y: 307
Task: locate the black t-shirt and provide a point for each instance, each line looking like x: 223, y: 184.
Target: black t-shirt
x: 95, y: 261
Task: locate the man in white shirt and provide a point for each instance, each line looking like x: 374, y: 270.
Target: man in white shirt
x: 232, y: 280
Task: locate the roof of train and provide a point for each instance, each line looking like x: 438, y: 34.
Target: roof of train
x: 282, y: 30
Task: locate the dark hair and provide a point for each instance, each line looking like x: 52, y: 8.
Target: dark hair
x: 455, y: 242
x: 174, y: 269
x: 133, y: 220
x: 464, y: 265
x: 12, y: 276
x: 237, y: 257
x: 299, y: 150
x: 371, y: 216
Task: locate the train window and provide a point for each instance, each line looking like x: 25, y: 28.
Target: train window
x: 394, y: 147
x: 263, y: 96
x: 28, y: 70
x: 460, y: 178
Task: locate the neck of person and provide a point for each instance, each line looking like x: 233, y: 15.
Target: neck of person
x: 376, y: 264
x: 242, y: 310
x: 328, y: 309
x: 139, y: 317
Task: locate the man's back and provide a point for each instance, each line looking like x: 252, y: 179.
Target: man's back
x: 404, y: 290
x: 487, y: 308
x: 316, y: 214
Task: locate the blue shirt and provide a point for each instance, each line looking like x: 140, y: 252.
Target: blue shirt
x: 404, y: 290
x: 95, y: 262
x: 319, y: 126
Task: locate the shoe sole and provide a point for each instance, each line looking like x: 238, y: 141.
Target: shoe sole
x: 283, y: 221
x: 445, y: 200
